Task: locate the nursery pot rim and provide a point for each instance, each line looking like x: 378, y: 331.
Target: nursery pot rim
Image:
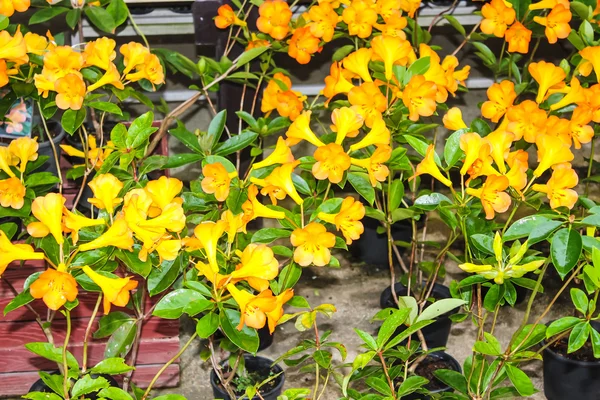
x: 55, y: 139
x: 442, y: 355
x: 549, y: 351
x: 275, y: 367
x: 437, y: 285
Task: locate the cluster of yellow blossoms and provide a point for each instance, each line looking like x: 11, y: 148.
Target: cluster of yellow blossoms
x: 13, y: 157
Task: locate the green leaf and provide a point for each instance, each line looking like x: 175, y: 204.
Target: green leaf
x: 367, y: 339
x: 578, y: 336
x: 390, y: 325
x: 24, y: 297
x: 580, y: 300
x: 246, y: 339
x: 323, y: 358
x: 72, y: 17
x: 72, y: 120
x: 250, y: 55
x: 565, y: 250
x: 235, y: 143
x: 54, y: 381
x: 119, y: 344
x: 179, y: 160
x: 46, y: 14
x: 268, y: 235
x: 170, y: 397
x: 410, y: 385
x: 431, y: 201
x: 109, y: 323
x: 520, y: 380
x: 216, y: 127
x: 485, y: 53
x: 114, y: 393
x: 561, y: 325
x: 483, y: 243
x: 452, y: 150
x: 101, y: 18
x: 87, y: 385
x: 439, y: 308
x: 163, y: 276
x: 186, y: 137
x: 207, y: 325
x: 141, y: 128
x: 52, y: 353
x: 379, y: 384
x: 533, y: 333
x: 106, y: 106
x: 112, y: 366
x: 453, y: 379
x: 41, y: 179
x: 542, y: 231
x: 490, y: 347
x: 342, y: 52
x: 119, y: 11
x: 420, y: 147
x: 456, y: 24
x: 396, y: 191
x: 133, y: 262
x: 362, y: 185
x: 595, y: 337
x: 406, y: 333
x: 173, y: 305
x: 523, y: 227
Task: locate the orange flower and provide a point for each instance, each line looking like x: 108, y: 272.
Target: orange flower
x: 368, y: 101
x: 332, y: 162
x: 255, y: 209
x: 573, y: 94
x: 116, y: 290
x: 300, y: 130
x: 392, y: 51
x: 256, y: 42
x: 517, y: 175
x: 556, y: 23
x: 70, y: 91
x: 227, y: 17
x: 419, y: 96
x: 100, y: 53
x: 548, y: 76
x: 289, y: 104
x: 379, y: 135
x: 8, y: 7
x: 492, y: 195
x: 337, y: 81
x: 591, y: 61
x: 217, y: 180
x: 280, y: 182
x: 357, y: 62
x: 360, y: 17
x: 471, y: 143
x: 540, y: 5
x: 394, y: 26
x: 526, y: 121
x: 274, y: 87
x: 453, y: 119
x: 346, y: 122
x: 497, y: 16
x: 592, y: 101
x: 559, y: 187
x: 347, y: 219
x: 274, y: 18
x: 518, y: 38
x: 55, y: 287
x: 428, y: 166
x: 410, y: 6
x: 12, y: 193
x: 579, y: 129
x: 302, y: 45
x: 312, y: 245
x: 551, y: 151
x: 374, y: 164
x: 500, y: 142
x: 323, y: 20
x: 501, y: 96
x: 134, y: 54
x: 559, y: 127
x: 151, y: 70
x: 388, y: 9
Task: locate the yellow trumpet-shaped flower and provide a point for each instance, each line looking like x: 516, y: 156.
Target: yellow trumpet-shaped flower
x: 115, y: 290
x: 255, y: 209
x: 312, y: 245
x: 590, y: 61
x: 118, y: 235
x: 453, y: 119
x: 281, y: 155
x: 257, y: 266
x: 517, y: 175
x: 428, y: 166
x: 559, y: 188
x: 100, y: 53
x: 275, y: 315
x: 492, y: 195
x: 25, y: 149
x: 150, y: 70
x: 556, y: 23
x: 379, y: 136
x: 110, y: 77
x: 253, y: 308
x: 215, y: 278
x: 281, y: 177
x: 419, y: 97
x: 106, y: 188
x: 217, y: 180
x: 7, y: 159
x: 13, y: 48
x: 392, y: 51
x: 497, y: 16
x: 551, y: 150
x: 337, y: 82
x: 208, y: 234
x: 70, y: 92
x: 10, y: 252
x: 55, y: 287
x: 500, y: 142
x: 347, y: 220
x: 73, y: 223
x: 163, y: 191
x: 540, y: 5
x: 134, y: 54
x: 96, y: 155
x: 526, y: 121
x: 234, y: 224
x: 579, y: 129
x: 12, y: 193
x: 378, y: 172
x: 36, y: 44
x: 548, y: 76
x: 358, y: 63
x: 331, y: 163
x: 167, y: 249
x: 501, y: 97
x: 300, y: 130
x: 48, y: 210
x: 471, y: 143
x: 368, y: 101
x: 346, y: 122
x: 574, y: 94
x: 8, y: 7
x: 172, y: 218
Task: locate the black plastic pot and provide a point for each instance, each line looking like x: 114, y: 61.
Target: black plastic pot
x: 437, y: 333
x: 372, y: 247
x: 258, y: 364
x: 570, y: 379
x: 453, y: 365
x: 40, y: 386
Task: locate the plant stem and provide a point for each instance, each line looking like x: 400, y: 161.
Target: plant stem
x: 217, y: 368
x: 387, y: 375
x: 137, y: 28
x: 64, y: 356
x: 88, y: 330
x: 54, y: 152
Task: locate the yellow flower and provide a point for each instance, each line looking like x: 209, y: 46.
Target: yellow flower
x: 54, y: 287
x: 501, y: 97
x: 428, y: 166
x: 492, y: 195
x: 548, y: 76
x: 559, y: 187
x: 517, y: 175
x: 275, y: 315
x: 12, y: 193
x: 36, y: 44
x: 8, y: 7
x: 591, y: 60
x: 300, y: 130
x: 73, y: 223
x: 419, y: 97
x: 7, y: 160
x: 48, y: 211
x: 368, y: 101
x: 227, y: 17
x: 252, y: 308
x: 540, y: 5
x: 497, y: 16
x: 13, y: 48
x: 151, y: 70
x: 281, y: 155
x: 25, y: 149
x: 346, y: 122
x: 281, y: 178
x: 453, y: 119
x: 167, y: 249
x: 360, y: 17
x: 392, y: 51
x: 518, y: 38
x: 257, y: 266
x: 96, y: 155
x: 379, y: 135
x: 331, y: 163
x: 134, y: 54
x: 110, y: 77
x: 234, y: 224
x: 556, y: 23
x: 208, y: 234
x: 163, y: 191
x: 378, y: 172
x: 118, y: 235
x: 471, y: 143
x: 551, y: 151
x: 573, y: 94
x: 336, y: 82
x: 149, y: 231
x: 15, y: 252
x: 254, y: 209
x: 217, y: 180
x: 347, y: 219
x: 115, y: 290
x: 526, y: 121
x: 500, y: 142
x: 106, y: 188
x: 579, y: 130
x: 357, y: 62
x: 100, y: 53
x: 312, y: 245
x: 70, y: 91
x: 62, y: 61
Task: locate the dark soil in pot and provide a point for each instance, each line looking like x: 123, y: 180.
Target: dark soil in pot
x: 257, y: 370
x: 571, y: 376
x: 437, y: 333
x: 433, y: 362
x: 40, y: 386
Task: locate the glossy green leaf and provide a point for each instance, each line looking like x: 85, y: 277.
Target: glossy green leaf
x: 565, y: 250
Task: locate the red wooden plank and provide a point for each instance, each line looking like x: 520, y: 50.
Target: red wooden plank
x: 17, y: 384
